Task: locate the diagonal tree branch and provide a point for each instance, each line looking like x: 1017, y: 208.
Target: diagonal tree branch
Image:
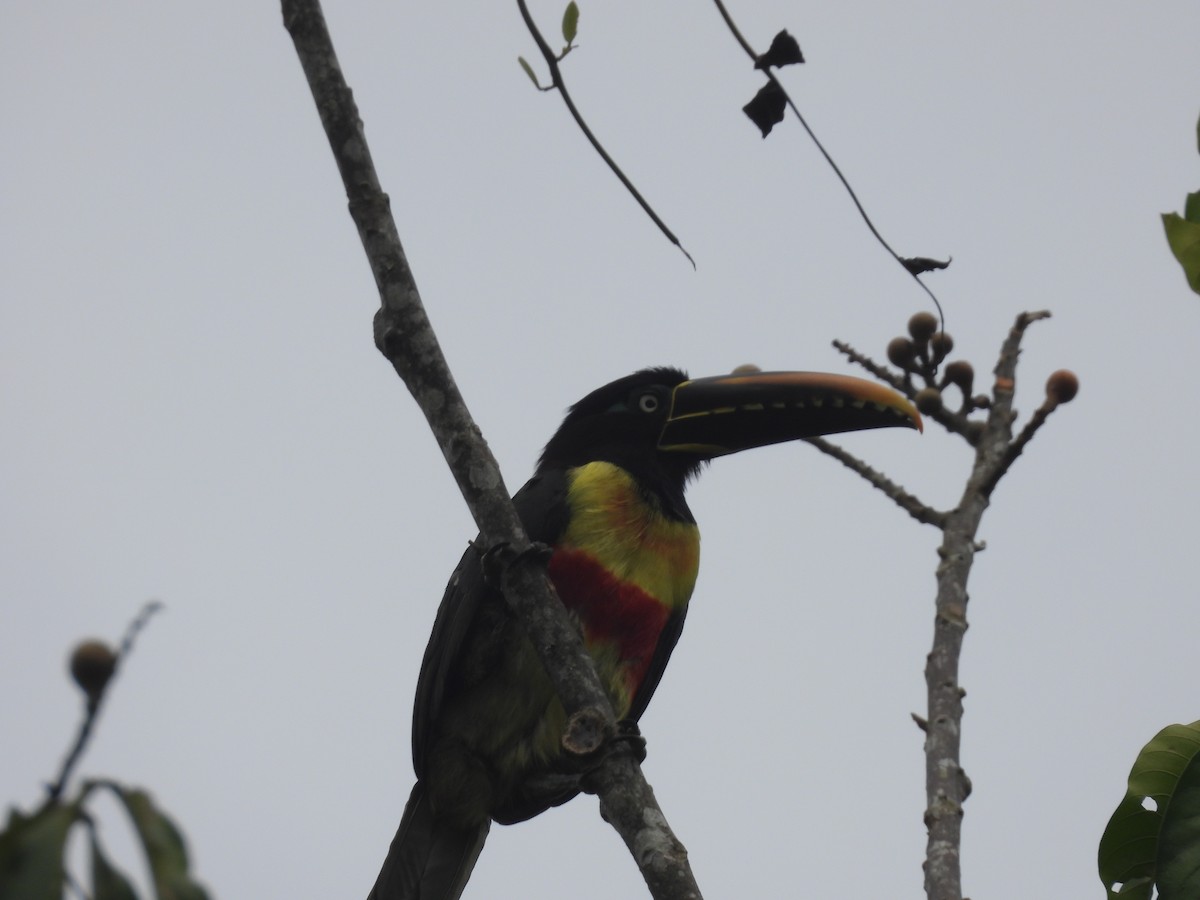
x: 910, y: 503
x: 404, y: 335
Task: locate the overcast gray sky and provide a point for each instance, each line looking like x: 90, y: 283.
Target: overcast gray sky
x: 193, y: 411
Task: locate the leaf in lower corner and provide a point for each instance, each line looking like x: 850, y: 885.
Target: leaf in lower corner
x: 570, y: 22
x: 767, y: 108
x: 1129, y: 853
x: 1178, y: 862
x: 108, y: 883
x: 1183, y: 237
x: 784, y: 51
x: 164, y: 846
x: 916, y: 265
x: 31, y: 851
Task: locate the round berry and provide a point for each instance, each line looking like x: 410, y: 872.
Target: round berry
x: 941, y: 344
x: 922, y: 326
x: 901, y: 352
x: 961, y: 373
x: 92, y: 665
x: 928, y: 400
x: 1062, y: 386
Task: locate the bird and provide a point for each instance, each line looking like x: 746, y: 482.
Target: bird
x: 607, y: 500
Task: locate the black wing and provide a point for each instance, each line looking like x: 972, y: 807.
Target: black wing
x: 542, y: 507
x: 662, y: 652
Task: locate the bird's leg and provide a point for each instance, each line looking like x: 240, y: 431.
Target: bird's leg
x: 628, y: 732
x: 500, y: 556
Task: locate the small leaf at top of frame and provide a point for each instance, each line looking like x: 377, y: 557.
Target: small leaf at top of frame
x: 570, y: 23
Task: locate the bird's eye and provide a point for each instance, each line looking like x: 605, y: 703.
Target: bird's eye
x: 648, y: 403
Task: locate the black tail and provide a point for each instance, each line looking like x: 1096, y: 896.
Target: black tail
x: 428, y: 859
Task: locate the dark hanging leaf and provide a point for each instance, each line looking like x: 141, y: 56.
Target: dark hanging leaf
x: 107, y: 881
x: 164, y: 846
x: 767, y: 108
x: 784, y: 51
x: 918, y: 264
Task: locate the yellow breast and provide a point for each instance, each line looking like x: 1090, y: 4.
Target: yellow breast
x: 625, y: 530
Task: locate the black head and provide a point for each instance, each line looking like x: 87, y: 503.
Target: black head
x: 661, y: 426
x: 621, y: 423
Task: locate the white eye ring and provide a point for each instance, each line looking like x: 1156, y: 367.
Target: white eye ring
x: 648, y: 403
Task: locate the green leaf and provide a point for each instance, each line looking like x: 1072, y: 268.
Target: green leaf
x: 1183, y: 237
x: 1179, y: 840
x: 570, y: 23
x: 107, y: 882
x: 1129, y: 848
x: 31, y: 851
x: 164, y: 845
x: 529, y: 71
x: 1191, y: 208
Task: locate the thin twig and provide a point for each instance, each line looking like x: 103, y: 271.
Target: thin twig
x: 737, y: 34
x: 955, y: 422
x: 561, y: 85
x: 405, y: 337
x: 135, y: 627
x: 883, y: 373
x: 1017, y: 445
x: 911, y: 504
x: 91, y: 709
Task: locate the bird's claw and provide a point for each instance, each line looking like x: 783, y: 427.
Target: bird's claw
x: 498, y: 557
x: 628, y: 732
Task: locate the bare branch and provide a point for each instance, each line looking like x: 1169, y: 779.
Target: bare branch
x: 883, y: 373
x: 1017, y: 446
x: 994, y: 446
x: 404, y: 335
x: 911, y: 504
x: 946, y: 784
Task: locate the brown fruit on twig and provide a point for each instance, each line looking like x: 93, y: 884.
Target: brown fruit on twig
x: 960, y: 373
x: 941, y: 344
x: 928, y: 400
x: 92, y: 665
x: 922, y: 326
x: 902, y: 353
x: 1062, y: 386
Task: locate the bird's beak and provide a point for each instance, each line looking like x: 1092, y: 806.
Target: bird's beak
x: 727, y: 413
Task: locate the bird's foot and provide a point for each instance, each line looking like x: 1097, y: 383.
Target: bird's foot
x: 628, y: 732
x: 498, y: 557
